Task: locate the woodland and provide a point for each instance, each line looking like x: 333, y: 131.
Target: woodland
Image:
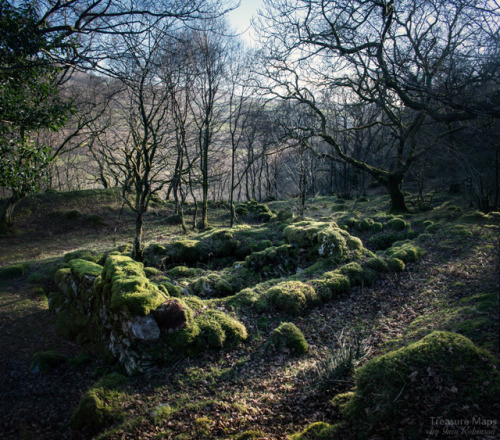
x: 202, y: 238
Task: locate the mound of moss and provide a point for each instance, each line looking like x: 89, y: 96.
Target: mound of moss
x: 273, y: 260
x: 124, y: 281
x: 209, y: 329
x: 331, y: 284
x: 44, y: 361
x: 400, y: 391
x: 407, y: 252
x: 100, y: 406
x: 13, y: 271
x: 321, y: 239
x: 287, y: 335
x: 358, y: 275
x: 292, y: 297
x: 318, y: 431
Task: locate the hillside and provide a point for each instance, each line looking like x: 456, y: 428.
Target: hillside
x: 361, y: 286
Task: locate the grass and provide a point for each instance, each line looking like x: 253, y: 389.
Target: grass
x: 246, y: 390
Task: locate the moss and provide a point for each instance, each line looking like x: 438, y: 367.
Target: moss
x: 395, y: 264
x: 397, y: 224
x: 241, y: 210
x: 377, y: 226
x: 383, y: 240
x: 365, y: 224
x: 130, y: 289
x: 321, y: 238
x: 158, y: 249
x: 95, y: 220
x: 292, y: 297
x: 250, y: 435
x: 100, y: 406
x: 287, y: 335
x: 185, y: 251
x: 406, y: 252
x: 284, y: 215
x: 318, y: 431
x: 80, y: 268
x: 13, y: 271
x: 275, y: 260
x: 172, y: 290
x: 331, y: 285
x: 174, y: 219
x: 460, y: 231
x: 210, y: 329
x: 404, y: 381
x: 184, y: 272
x: 152, y: 272
x: 357, y: 274
x: 46, y: 360
x: 377, y: 264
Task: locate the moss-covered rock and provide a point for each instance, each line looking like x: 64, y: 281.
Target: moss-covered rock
x: 395, y: 264
x: 397, y: 224
x: 13, y: 271
x: 357, y: 274
x: 406, y: 252
x: 377, y: 264
x: 292, y: 297
x: 330, y: 285
x: 184, y: 272
x: 83, y: 268
x: 44, y: 361
x: 287, y: 335
x: 273, y: 261
x: 443, y: 370
x: 129, y: 288
x: 100, y: 406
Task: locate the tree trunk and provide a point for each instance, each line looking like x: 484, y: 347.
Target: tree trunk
x: 393, y: 185
x: 7, y: 214
x: 138, y: 253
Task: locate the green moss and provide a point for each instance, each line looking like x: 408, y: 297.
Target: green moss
x: 365, y: 224
x: 403, y: 382
x: 80, y: 268
x: 287, y: 335
x: 383, y: 240
x: 395, y: 264
x: 406, y: 252
x: 318, y: 431
x: 276, y: 260
x: 377, y: 226
x: 397, y: 224
x: 357, y: 274
x: 250, y: 435
x: 292, y: 297
x: 130, y: 289
x: 172, y: 290
x: 321, y: 238
x: 13, y: 271
x: 46, y: 360
x: 100, y: 406
x: 330, y: 285
x: 377, y: 264
x: 184, y: 272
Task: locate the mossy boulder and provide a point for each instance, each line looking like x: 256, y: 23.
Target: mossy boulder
x: 406, y: 252
x: 444, y: 371
x: 275, y: 260
x: 100, y: 406
x: 292, y: 297
x: 377, y: 264
x: 13, y: 271
x: 210, y: 329
x: 287, y: 335
x: 330, y: 285
x: 124, y: 280
x: 325, y: 239
x: 44, y: 361
x: 357, y: 274
x: 84, y: 269
x: 397, y: 224
x: 184, y: 272
x: 395, y: 264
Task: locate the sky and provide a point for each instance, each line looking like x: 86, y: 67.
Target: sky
x: 240, y: 17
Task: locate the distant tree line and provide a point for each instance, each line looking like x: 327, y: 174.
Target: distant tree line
x: 162, y: 99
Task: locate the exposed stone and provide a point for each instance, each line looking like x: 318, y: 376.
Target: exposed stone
x: 144, y: 328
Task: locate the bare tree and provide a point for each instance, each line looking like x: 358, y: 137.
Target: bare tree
x: 395, y: 56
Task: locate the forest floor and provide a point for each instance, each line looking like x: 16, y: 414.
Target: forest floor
x: 453, y: 287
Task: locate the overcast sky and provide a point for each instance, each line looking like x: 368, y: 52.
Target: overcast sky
x: 240, y: 18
